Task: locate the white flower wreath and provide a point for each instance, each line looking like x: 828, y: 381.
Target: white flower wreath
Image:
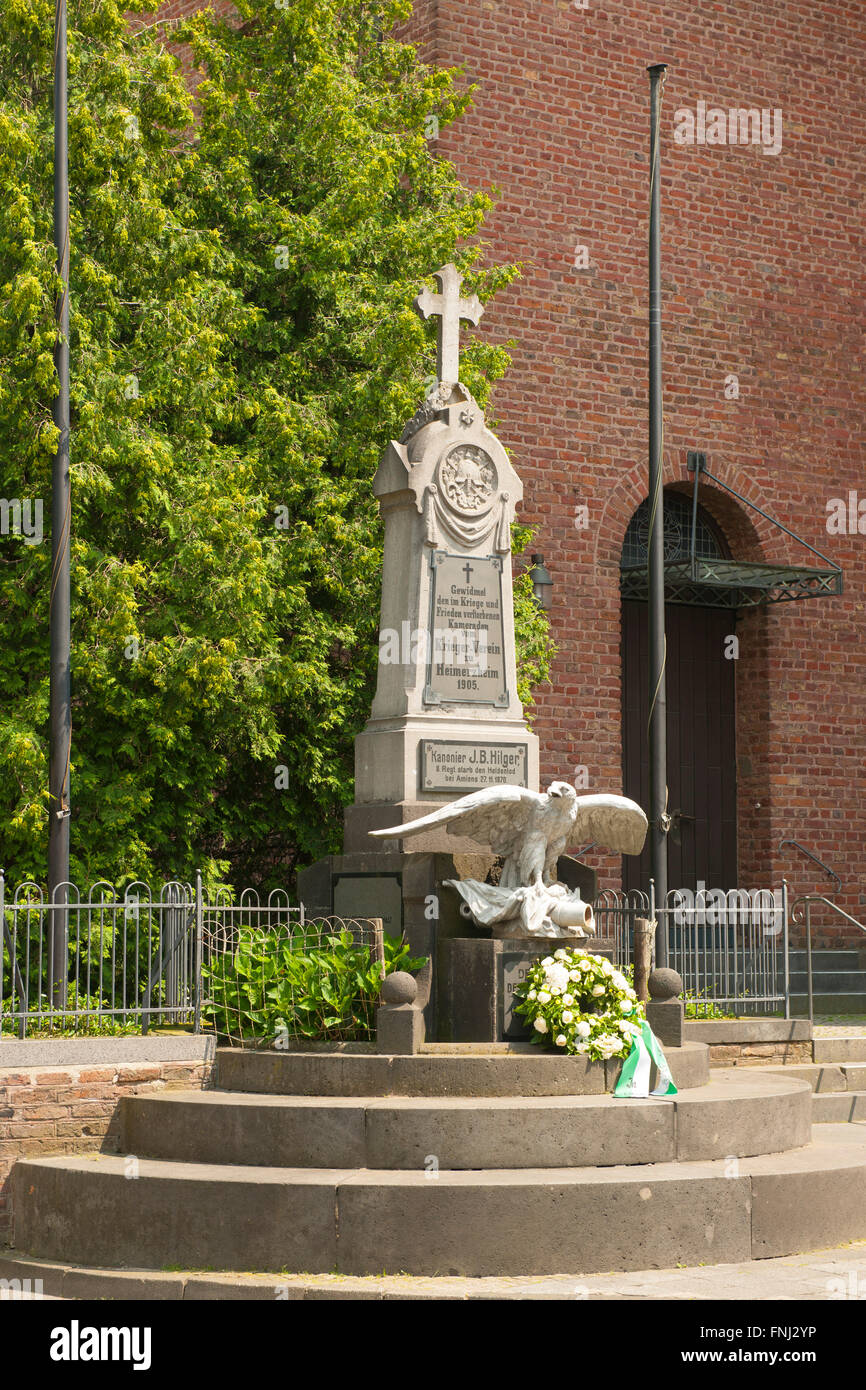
x: 581, y: 1004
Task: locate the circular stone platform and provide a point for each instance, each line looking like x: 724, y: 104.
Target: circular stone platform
x: 441, y: 1069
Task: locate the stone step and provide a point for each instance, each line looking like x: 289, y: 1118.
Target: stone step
x: 499, y: 1070
x: 830, y: 982
x: 839, y: 1107
x: 839, y: 1048
x: 827, y: 960
x: 818, y: 1275
x: 828, y: 1004
x: 91, y: 1211
x: 733, y: 1115
x: 821, y: 1079
x: 827, y: 1077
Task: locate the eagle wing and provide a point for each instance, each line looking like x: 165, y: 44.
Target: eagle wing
x: 612, y: 821
x: 494, y: 816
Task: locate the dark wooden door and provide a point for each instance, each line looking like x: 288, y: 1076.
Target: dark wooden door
x: 701, y: 728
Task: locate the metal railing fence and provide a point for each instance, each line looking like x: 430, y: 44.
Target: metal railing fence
x: 731, y: 948
x: 615, y: 914
x: 277, y: 984
x: 136, y: 958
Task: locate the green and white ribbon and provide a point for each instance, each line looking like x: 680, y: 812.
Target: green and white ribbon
x: 634, y: 1079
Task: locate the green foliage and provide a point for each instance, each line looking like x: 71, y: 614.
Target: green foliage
x: 281, y: 985
x: 535, y: 648
x: 242, y: 347
x: 700, y: 1005
x: 44, y: 1021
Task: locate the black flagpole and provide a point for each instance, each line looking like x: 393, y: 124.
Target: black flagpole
x: 60, y: 715
x: 657, y: 722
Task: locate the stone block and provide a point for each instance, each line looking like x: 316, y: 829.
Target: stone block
x: 481, y: 975
x: 260, y: 1131
x: 465, y: 1223
x: 198, y: 1216
x: 666, y: 1019
x: 399, y: 1029
x: 517, y: 1132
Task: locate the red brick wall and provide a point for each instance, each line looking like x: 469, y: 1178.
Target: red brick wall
x: 59, y: 1110
x: 762, y: 277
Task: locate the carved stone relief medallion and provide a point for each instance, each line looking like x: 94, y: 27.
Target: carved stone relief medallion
x: 468, y: 479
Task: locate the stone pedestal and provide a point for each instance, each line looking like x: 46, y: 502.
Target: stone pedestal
x: 478, y: 976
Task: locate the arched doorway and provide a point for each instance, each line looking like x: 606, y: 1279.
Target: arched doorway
x: 701, y: 712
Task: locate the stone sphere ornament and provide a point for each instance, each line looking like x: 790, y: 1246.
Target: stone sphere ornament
x: 399, y: 988
x: 664, y: 984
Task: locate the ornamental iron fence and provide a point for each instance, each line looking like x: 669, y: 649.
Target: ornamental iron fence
x: 124, y: 961
x: 731, y: 948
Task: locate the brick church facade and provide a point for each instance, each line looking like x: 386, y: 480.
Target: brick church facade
x: 763, y: 316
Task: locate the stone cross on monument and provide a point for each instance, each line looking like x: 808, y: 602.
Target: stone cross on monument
x: 450, y: 309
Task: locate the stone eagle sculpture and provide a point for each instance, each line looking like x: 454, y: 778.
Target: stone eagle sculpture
x: 530, y: 830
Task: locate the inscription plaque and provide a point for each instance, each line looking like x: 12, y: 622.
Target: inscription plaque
x: 515, y: 969
x: 466, y: 662
x: 453, y: 765
x: 371, y: 895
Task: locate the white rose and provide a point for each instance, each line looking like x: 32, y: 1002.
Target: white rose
x: 574, y: 974
x: 556, y: 976
x: 568, y: 999
x: 583, y: 1029
x: 532, y: 993
x: 619, y: 980
x: 581, y: 1047
x: 567, y: 1015
x: 597, y: 990
x: 543, y: 996
x: 626, y: 1007
x: 540, y: 1025
x: 560, y: 1041
x: 561, y: 954
x: 607, y: 968
x: 548, y: 960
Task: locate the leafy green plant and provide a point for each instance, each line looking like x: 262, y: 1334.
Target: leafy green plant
x: 299, y: 985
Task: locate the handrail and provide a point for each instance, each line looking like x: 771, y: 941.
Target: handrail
x: 819, y: 898
x: 809, y: 899
x: 831, y: 873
